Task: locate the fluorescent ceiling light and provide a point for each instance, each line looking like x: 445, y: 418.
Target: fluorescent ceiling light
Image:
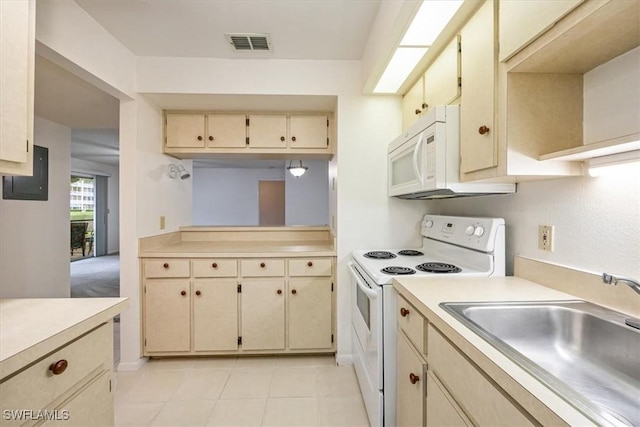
x: 401, y: 65
x: 616, y: 164
x: 430, y: 20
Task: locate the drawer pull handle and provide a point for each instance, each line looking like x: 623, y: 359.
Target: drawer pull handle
x: 483, y: 130
x: 165, y: 265
x: 279, y: 291
x: 59, y: 367
x: 293, y: 291
x: 183, y: 293
x: 413, y: 378
x: 198, y: 293
x: 404, y: 312
x: 262, y: 265
x: 214, y: 265
x: 310, y: 264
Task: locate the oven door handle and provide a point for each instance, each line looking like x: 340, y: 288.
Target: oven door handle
x: 370, y: 293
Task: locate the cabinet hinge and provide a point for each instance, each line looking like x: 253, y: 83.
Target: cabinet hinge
x: 239, y: 288
x: 247, y: 140
x: 327, y: 142
x: 459, y: 81
x: 459, y: 47
x: 145, y: 342
x: 327, y: 122
x: 331, y: 338
x: 239, y: 340
x: 27, y: 145
x: 331, y: 286
x: 247, y: 121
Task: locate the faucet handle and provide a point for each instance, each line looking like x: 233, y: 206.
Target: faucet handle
x: 607, y: 278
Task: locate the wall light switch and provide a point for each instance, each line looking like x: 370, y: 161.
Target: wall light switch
x: 162, y: 222
x: 545, y: 237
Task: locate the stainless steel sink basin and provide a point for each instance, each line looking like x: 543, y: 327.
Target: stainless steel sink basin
x: 584, y: 352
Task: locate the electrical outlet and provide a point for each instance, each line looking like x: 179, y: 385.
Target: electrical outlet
x: 545, y: 237
x: 162, y: 222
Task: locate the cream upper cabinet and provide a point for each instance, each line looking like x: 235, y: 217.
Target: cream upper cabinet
x: 308, y: 131
x: 267, y: 131
x: 413, y: 104
x: 215, y: 314
x: 441, y: 80
x: 17, y: 53
x: 478, y: 136
x: 309, y: 304
x: 185, y: 130
x: 263, y: 306
x: 226, y: 130
x: 167, y: 315
x: 522, y: 21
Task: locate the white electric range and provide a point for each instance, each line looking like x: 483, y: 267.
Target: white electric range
x: 452, y: 246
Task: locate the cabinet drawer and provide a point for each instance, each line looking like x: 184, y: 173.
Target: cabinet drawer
x: 37, y: 387
x: 413, y: 324
x: 464, y: 381
x: 262, y: 267
x: 215, y: 268
x: 310, y: 267
x: 166, y: 268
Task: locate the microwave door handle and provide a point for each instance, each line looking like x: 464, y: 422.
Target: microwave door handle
x: 370, y: 293
x: 416, y: 151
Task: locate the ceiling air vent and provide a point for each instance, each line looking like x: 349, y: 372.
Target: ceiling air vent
x: 250, y: 41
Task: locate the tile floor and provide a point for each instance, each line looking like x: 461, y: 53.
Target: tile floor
x: 250, y: 391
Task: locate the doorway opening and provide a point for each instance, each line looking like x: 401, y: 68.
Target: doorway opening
x: 82, y: 216
x: 271, y: 201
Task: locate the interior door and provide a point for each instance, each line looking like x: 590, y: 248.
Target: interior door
x: 271, y: 196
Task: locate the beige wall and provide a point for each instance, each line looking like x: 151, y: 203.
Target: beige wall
x: 34, y: 235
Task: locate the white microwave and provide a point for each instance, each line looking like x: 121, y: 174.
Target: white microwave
x: 423, y: 162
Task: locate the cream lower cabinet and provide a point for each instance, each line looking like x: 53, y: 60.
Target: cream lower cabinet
x: 441, y: 408
x: 309, y: 307
x: 263, y: 314
x: 167, y: 315
x: 215, y: 314
x: 410, y: 386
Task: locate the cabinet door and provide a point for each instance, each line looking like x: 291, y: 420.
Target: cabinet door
x: 539, y: 15
x: 309, y: 322
x: 17, y: 41
x: 410, y: 385
x: 262, y: 310
x: 226, y: 130
x: 308, y: 132
x: 215, y: 315
x: 267, y: 131
x: 478, y: 146
x: 185, y: 130
x: 412, y: 104
x: 167, y: 315
x: 441, y: 408
x: 441, y: 78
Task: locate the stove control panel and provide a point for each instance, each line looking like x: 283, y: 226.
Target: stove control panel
x: 482, y: 234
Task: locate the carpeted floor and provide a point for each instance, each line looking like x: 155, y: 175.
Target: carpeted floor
x: 96, y: 277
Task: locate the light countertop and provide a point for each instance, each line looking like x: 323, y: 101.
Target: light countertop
x: 232, y: 249
x: 534, y: 396
x: 31, y: 328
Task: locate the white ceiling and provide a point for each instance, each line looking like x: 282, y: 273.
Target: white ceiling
x: 299, y: 29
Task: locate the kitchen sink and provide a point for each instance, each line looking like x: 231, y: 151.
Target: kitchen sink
x: 584, y: 352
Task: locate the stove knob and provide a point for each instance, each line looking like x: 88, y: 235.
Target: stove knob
x: 469, y: 230
x: 479, y: 231
x: 428, y: 223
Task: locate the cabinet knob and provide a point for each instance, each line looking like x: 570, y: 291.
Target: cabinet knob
x: 59, y: 367
x: 293, y: 138
x: 279, y: 291
x: 282, y: 138
x: 262, y: 265
x: 483, y: 130
x: 210, y: 138
x: 183, y: 293
x: 310, y: 264
x: 413, y: 378
x: 293, y: 291
x: 165, y: 265
x: 404, y: 312
x: 418, y: 111
x: 214, y: 265
x: 198, y: 293
x: 199, y: 138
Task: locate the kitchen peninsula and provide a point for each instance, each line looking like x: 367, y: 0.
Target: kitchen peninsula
x: 238, y: 290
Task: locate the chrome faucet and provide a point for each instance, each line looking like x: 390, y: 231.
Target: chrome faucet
x: 610, y: 279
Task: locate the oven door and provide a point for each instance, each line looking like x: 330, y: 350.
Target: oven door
x: 366, y: 318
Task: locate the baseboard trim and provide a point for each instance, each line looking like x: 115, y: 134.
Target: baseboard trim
x: 131, y: 366
x: 344, y: 359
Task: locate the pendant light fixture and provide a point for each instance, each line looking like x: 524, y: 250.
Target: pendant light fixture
x: 297, y: 170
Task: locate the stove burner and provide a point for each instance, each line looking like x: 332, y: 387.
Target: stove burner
x: 410, y: 252
x: 398, y: 270
x: 379, y: 255
x: 438, y: 267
